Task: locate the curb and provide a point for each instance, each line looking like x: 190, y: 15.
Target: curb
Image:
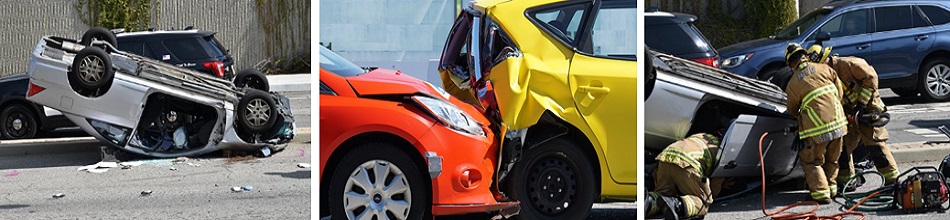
x: 919, y: 151
x: 289, y: 82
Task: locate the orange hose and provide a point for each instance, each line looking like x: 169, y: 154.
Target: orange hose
x: 810, y: 214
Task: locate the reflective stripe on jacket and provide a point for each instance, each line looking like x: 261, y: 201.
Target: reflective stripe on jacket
x: 814, y: 99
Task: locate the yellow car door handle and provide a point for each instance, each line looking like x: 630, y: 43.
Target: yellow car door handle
x: 594, y: 89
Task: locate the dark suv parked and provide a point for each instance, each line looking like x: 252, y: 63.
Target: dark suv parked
x: 675, y: 34
x: 907, y: 42
x: 191, y: 49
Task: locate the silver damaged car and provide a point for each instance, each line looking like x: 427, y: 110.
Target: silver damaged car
x: 149, y: 107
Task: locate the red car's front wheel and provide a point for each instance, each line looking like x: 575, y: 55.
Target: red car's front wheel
x: 377, y: 180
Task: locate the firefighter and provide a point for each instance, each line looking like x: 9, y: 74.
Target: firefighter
x: 814, y: 93
x: 860, y: 97
x: 682, y: 178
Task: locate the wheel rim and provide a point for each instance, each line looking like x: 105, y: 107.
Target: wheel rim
x: 938, y: 80
x: 91, y: 70
x: 551, y: 185
x: 377, y: 189
x: 258, y: 112
x: 17, y: 125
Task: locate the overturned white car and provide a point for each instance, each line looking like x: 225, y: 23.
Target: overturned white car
x: 149, y: 107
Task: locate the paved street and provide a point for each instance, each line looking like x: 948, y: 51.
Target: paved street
x: 201, y: 188
x: 913, y: 119
x: 749, y: 206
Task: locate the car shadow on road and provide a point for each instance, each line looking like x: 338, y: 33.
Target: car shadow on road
x: 776, y: 195
x: 300, y: 174
x: 898, y: 100
x: 929, y: 123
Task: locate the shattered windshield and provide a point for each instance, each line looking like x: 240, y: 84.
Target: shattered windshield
x: 802, y: 24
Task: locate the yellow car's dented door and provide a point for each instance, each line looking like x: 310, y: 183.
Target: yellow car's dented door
x: 603, y: 80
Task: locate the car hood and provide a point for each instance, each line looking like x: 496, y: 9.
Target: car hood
x: 391, y: 82
x: 750, y: 46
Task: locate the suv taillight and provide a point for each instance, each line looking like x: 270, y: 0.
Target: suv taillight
x: 709, y: 61
x: 217, y: 67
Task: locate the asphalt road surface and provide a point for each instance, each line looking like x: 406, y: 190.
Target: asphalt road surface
x: 913, y: 119
x: 194, y: 189
x: 749, y: 206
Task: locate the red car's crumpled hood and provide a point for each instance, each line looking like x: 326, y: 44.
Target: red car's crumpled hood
x: 389, y: 82
x: 392, y: 82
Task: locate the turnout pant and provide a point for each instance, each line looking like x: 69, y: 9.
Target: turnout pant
x: 819, y: 161
x: 873, y: 138
x: 685, y: 183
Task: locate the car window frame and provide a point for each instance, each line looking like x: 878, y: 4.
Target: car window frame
x: 876, y: 26
x: 868, y: 23
x: 927, y: 17
x: 326, y: 90
x: 586, y: 25
x: 589, y: 27
x: 814, y: 29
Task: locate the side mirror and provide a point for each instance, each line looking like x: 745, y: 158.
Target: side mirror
x: 821, y: 37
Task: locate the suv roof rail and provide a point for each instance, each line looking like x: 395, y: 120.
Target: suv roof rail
x: 118, y: 30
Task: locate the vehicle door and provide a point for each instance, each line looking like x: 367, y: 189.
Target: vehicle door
x: 603, y: 81
x: 849, y: 34
x: 902, y: 37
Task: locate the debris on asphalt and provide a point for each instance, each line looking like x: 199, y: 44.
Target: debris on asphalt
x: 303, y: 165
x: 194, y: 164
x: 97, y: 170
x: 100, y: 167
x: 146, y: 192
x: 132, y: 163
x: 301, y: 153
x: 247, y: 188
x: 12, y: 173
x: 59, y: 195
x: 236, y: 189
x: 265, y: 151
x: 173, y: 168
x: 180, y: 159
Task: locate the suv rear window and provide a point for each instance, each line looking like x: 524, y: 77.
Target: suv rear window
x: 674, y: 39
x: 186, y: 48
x: 936, y: 14
x: 893, y: 18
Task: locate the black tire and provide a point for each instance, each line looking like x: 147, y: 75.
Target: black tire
x: 935, y: 71
x: 650, y: 73
x: 92, y: 72
x: 18, y: 122
x: 378, y: 154
x: 257, y: 112
x: 777, y: 75
x: 905, y: 92
x: 551, y: 176
x: 252, y: 78
x: 99, y: 33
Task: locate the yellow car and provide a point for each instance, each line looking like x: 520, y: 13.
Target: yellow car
x: 558, y: 79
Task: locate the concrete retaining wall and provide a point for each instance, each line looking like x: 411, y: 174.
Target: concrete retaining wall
x: 22, y: 23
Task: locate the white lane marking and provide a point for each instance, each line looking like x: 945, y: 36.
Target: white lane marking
x: 923, y: 131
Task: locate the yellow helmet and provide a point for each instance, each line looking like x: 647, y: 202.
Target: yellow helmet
x: 816, y: 54
x: 793, y: 51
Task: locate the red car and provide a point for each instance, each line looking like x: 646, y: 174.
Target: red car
x: 393, y: 146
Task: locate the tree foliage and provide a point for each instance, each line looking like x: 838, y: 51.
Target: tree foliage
x: 133, y: 15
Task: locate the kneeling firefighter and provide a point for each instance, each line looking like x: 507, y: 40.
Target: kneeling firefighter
x: 682, y: 178
x: 867, y: 113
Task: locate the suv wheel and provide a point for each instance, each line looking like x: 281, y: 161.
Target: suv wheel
x: 99, y: 33
x: 91, y: 73
x: 18, y: 122
x: 252, y: 78
x: 555, y: 182
x: 377, y: 181
x: 777, y: 75
x: 934, y: 84
x: 256, y: 112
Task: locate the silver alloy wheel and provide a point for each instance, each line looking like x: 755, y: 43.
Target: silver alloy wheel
x: 257, y: 113
x: 383, y: 195
x: 17, y: 124
x: 938, y: 80
x: 91, y: 70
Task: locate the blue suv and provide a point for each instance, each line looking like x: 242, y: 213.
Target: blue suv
x: 907, y: 42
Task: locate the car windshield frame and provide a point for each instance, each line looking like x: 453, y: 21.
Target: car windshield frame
x: 809, y: 19
x: 336, y: 64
